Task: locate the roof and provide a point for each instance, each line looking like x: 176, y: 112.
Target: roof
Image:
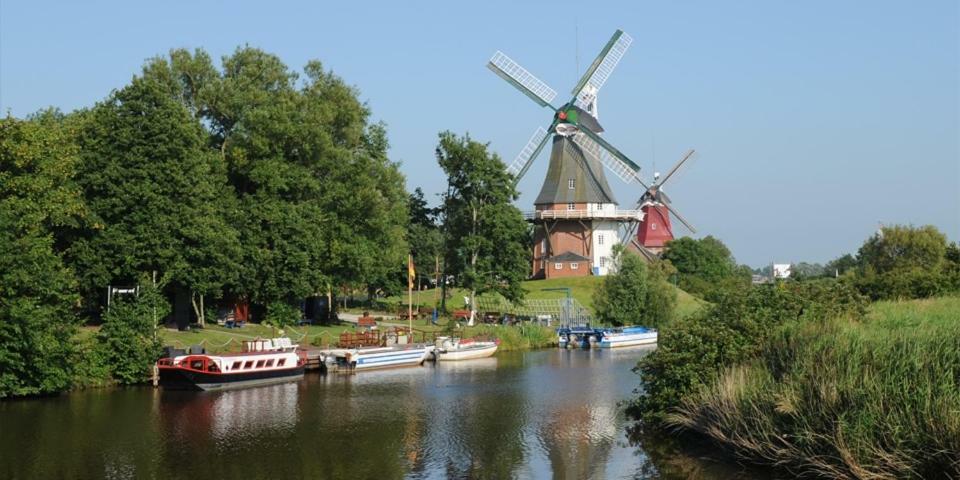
x: 569, y: 256
x: 567, y: 162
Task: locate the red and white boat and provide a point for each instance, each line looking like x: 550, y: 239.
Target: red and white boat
x: 262, y: 362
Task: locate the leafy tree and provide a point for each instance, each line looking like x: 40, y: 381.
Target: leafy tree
x: 128, y: 337
x: 904, y: 248
x: 157, y: 194
x: 37, y: 291
x: 840, y: 265
x: 486, y: 236
x: 702, y: 264
x: 423, y: 233
x: 320, y: 203
x: 804, y: 271
x: 635, y: 294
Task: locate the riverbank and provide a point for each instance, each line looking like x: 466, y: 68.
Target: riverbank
x: 877, y: 398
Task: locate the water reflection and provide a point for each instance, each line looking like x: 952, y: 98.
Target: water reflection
x: 541, y: 414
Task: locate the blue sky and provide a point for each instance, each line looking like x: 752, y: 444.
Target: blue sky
x: 814, y: 120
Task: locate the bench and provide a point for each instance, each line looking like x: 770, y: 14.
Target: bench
x: 461, y: 314
x: 367, y: 322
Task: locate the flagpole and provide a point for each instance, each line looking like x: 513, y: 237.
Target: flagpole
x: 410, y: 295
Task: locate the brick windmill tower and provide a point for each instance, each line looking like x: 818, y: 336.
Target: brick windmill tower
x: 576, y: 220
x: 655, y: 229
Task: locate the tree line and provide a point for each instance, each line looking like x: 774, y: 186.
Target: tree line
x: 245, y: 182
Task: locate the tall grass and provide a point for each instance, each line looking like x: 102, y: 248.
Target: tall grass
x: 843, y: 399
x: 523, y: 337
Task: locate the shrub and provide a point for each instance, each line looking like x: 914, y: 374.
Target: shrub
x: 693, y: 351
x: 636, y: 294
x: 840, y: 399
x: 127, y: 340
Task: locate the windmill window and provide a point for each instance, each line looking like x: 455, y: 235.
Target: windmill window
x: 558, y: 266
x: 571, y: 206
x: 603, y: 262
x: 574, y: 266
x: 600, y: 239
x: 572, y: 183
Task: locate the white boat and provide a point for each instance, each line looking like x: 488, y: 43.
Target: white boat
x: 452, y: 349
x: 369, y: 358
x: 627, y: 337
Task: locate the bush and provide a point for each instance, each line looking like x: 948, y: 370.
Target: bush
x: 127, y: 340
x: 693, y: 352
x: 840, y: 399
x: 636, y: 294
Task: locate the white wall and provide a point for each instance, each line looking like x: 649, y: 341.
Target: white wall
x: 604, y: 249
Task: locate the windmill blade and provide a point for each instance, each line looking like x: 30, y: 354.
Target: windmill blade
x: 690, y: 153
x: 530, y: 151
x: 682, y: 220
x: 608, y: 155
x: 523, y: 80
x: 601, y: 68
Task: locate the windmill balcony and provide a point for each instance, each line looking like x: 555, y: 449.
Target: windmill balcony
x: 601, y: 214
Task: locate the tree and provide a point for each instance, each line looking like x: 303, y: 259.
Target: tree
x: 38, y: 160
x: 703, y: 264
x: 636, y: 294
x: 157, y: 194
x: 320, y: 203
x: 903, y: 248
x: 423, y: 233
x: 127, y: 339
x: 486, y: 236
x: 840, y: 265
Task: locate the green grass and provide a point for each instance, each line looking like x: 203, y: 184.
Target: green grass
x: 845, y: 399
x: 581, y: 288
x: 218, y: 339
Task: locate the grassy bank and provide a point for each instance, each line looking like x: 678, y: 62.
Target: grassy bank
x: 842, y: 399
x: 581, y: 289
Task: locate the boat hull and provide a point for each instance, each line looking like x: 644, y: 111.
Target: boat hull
x: 629, y: 340
x: 467, y: 353
x: 184, y: 379
x: 386, y: 357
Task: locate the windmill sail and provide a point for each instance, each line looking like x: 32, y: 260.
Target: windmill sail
x: 520, y: 78
x: 610, y: 157
x: 601, y: 68
x: 530, y: 151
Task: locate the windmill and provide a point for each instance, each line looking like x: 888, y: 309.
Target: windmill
x: 576, y: 214
x: 655, y: 229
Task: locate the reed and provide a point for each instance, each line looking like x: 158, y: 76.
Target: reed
x: 523, y: 337
x: 845, y: 399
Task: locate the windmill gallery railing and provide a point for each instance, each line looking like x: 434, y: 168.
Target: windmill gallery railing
x: 575, y: 214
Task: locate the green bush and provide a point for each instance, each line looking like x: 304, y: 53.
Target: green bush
x: 693, y: 352
x: 636, y: 294
x: 127, y: 340
x: 844, y: 399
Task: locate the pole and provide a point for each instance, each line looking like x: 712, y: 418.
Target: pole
x: 410, y: 297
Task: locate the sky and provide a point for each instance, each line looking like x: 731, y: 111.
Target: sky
x: 814, y: 122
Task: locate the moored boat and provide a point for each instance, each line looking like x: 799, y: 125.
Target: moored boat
x: 453, y: 349
x: 574, y: 337
x: 369, y: 358
x: 627, y: 337
x: 262, y: 362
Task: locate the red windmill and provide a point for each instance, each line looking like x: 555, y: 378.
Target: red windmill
x: 655, y: 229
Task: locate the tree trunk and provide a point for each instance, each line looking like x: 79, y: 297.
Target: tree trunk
x: 196, y: 308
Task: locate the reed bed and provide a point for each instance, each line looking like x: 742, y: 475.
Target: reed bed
x: 875, y: 399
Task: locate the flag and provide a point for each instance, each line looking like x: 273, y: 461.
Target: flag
x: 411, y: 273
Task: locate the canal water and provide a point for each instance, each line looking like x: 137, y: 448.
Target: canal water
x: 540, y: 414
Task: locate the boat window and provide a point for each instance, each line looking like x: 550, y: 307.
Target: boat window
x: 281, y: 362
x: 269, y: 363
x: 248, y: 364
x: 212, y: 367
x: 236, y: 365
x: 260, y: 363
x: 196, y: 364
